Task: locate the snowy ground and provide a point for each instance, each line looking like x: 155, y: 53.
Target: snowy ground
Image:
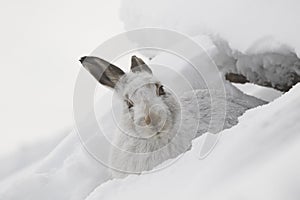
x: 256, y: 159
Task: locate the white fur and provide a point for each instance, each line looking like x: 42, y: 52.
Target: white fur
x: 138, y: 148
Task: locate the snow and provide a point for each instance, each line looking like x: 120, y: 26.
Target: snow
x: 257, y: 159
x: 41, y: 43
x: 264, y: 93
x: 71, y: 172
x: 241, y: 23
x: 254, y: 45
x: 68, y: 172
x: 27, y: 155
x: 279, y: 67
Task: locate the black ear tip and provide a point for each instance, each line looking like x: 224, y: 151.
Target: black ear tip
x: 82, y: 59
x: 134, y: 57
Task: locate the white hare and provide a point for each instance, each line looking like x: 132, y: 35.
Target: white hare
x: 156, y: 126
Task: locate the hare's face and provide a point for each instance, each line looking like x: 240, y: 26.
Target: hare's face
x: 149, y: 109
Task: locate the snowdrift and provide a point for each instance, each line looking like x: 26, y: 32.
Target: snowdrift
x: 257, y: 159
x: 71, y: 172
x: 246, y: 38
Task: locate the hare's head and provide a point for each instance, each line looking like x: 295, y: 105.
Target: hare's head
x: 150, y: 110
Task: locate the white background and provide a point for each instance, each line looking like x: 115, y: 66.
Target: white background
x: 41, y: 42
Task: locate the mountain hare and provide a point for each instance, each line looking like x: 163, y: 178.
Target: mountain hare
x: 155, y: 125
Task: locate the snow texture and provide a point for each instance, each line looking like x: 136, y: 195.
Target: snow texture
x: 247, y: 162
x: 70, y: 172
x: 264, y: 55
x: 257, y: 159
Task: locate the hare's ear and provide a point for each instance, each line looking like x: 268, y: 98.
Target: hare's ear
x: 105, y: 72
x: 138, y: 65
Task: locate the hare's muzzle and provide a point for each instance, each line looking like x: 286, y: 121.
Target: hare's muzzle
x: 153, y: 121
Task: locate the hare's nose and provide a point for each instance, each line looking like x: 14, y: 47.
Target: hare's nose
x: 155, y: 119
x: 147, y: 119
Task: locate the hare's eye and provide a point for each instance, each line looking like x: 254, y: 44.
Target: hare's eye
x: 129, y: 103
x: 161, y: 91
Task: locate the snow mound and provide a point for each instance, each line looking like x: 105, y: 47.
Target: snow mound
x: 248, y: 161
x: 267, y: 63
x: 71, y: 172
x: 257, y: 159
x: 68, y: 172
x: 262, y: 53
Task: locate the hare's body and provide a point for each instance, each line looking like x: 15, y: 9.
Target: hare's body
x: 155, y: 126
